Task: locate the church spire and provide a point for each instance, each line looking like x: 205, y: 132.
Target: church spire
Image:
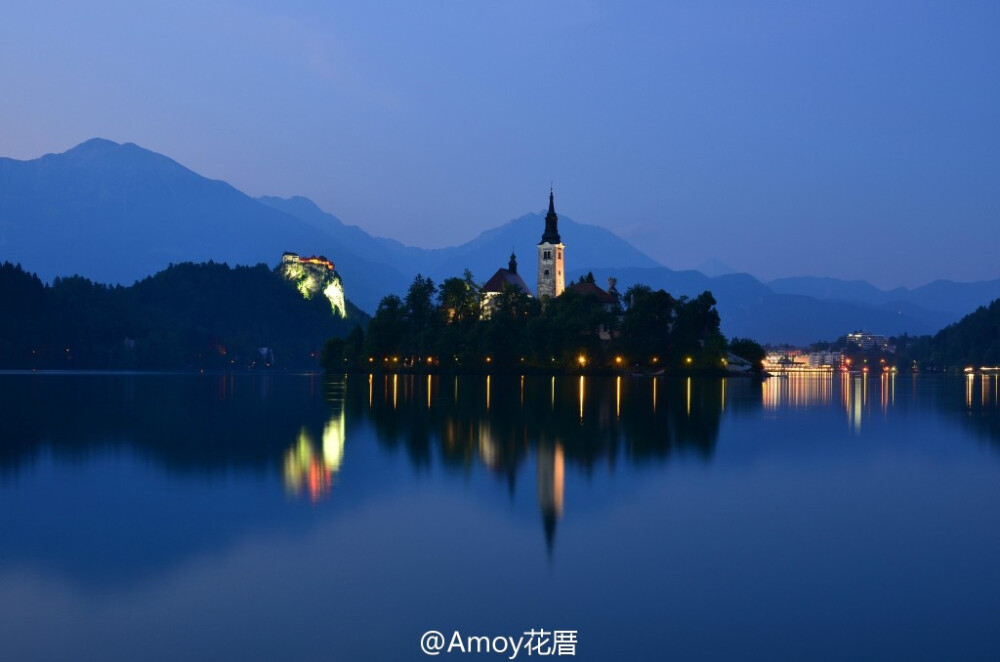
x: 551, y: 235
x: 512, y: 265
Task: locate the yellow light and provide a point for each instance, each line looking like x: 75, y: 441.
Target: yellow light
x: 688, y: 360
x: 618, y: 360
x: 656, y: 359
x: 429, y: 360
x: 489, y: 359
x: 582, y: 360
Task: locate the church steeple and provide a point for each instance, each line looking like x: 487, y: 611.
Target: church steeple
x: 551, y: 235
x: 551, y: 257
x: 512, y: 265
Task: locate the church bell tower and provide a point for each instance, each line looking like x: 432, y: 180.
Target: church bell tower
x: 551, y: 256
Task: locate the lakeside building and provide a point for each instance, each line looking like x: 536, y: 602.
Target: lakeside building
x: 608, y: 301
x: 867, y: 341
x: 503, y: 278
x: 797, y: 361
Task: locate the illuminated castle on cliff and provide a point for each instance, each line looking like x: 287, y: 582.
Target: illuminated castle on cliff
x: 313, y: 275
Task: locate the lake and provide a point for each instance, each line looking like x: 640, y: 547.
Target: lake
x: 303, y: 517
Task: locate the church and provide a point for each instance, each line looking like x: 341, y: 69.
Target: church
x: 551, y: 276
x: 551, y: 266
x: 551, y: 256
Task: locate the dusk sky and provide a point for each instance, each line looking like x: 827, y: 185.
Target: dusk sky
x: 847, y: 139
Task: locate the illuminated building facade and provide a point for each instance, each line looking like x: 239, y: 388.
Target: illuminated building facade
x: 551, y: 256
x: 867, y: 341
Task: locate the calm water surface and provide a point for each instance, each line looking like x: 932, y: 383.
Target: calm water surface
x: 218, y: 517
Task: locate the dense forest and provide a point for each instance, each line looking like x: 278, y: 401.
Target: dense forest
x: 972, y: 341
x: 188, y: 316
x: 455, y: 326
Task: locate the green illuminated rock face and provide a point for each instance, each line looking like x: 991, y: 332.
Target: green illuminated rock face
x: 315, y: 275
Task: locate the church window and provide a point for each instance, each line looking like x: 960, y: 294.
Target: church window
x: 546, y: 255
x: 546, y: 272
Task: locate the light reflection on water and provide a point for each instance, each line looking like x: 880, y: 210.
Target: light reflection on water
x: 850, y: 512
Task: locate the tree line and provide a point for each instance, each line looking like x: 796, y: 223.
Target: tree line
x: 188, y: 316
x: 456, y: 326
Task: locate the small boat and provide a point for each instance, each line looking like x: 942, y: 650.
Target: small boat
x: 644, y: 373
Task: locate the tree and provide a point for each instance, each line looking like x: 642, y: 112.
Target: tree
x: 333, y: 357
x: 354, y: 346
x: 459, y: 299
x: 696, y: 335
x: 646, y: 324
x: 420, y: 317
x: 385, y: 330
x: 749, y: 350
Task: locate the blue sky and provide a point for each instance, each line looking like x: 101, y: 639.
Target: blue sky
x: 848, y: 139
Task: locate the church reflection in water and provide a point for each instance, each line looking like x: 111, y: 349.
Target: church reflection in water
x: 507, y: 423
x: 546, y: 429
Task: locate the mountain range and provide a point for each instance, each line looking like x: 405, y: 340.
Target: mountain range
x: 116, y: 213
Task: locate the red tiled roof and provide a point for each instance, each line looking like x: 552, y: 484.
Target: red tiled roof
x: 508, y: 277
x: 590, y: 289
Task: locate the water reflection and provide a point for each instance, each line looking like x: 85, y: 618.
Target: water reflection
x: 540, y: 437
x: 982, y: 405
x: 551, y: 487
x: 505, y: 414
x: 797, y: 390
x: 853, y: 393
x: 159, y: 502
x: 507, y: 423
x: 310, y: 470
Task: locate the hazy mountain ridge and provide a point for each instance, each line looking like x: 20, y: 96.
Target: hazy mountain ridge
x: 116, y: 213
x: 484, y: 254
x: 748, y: 307
x: 946, y: 296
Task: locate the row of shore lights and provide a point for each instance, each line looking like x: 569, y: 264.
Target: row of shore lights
x: 580, y: 359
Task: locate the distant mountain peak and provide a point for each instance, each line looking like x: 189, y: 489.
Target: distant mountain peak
x: 94, y: 146
x: 296, y: 203
x: 715, y: 267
